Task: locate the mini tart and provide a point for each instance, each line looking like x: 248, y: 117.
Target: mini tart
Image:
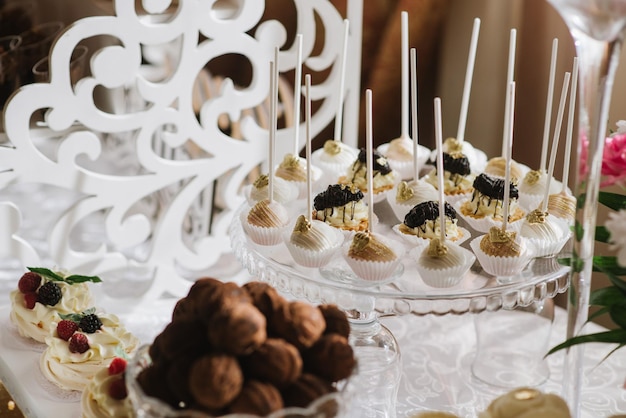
x: 334, y: 159
x: 442, y: 265
x: 527, y: 402
x: 372, y: 257
x: 485, y: 207
x: 458, y: 177
x: 399, y: 153
x: 342, y: 206
x: 36, y: 323
x: 73, y: 371
x: 422, y: 224
x: 312, y: 244
x: 502, y: 254
x: 409, y: 194
x: 265, y: 222
x: 293, y: 169
x: 383, y: 176
x: 547, y: 233
x: 96, y: 401
x: 284, y: 191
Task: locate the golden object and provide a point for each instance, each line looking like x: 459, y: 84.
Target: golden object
x: 537, y: 216
x: 404, y: 192
x: 499, y: 243
x: 332, y: 147
x: 562, y: 206
x: 532, y: 177
x: 262, y: 181
x: 291, y: 169
x: 437, y: 249
x: 367, y: 247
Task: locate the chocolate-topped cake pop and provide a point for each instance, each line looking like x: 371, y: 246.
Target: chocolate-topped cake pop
x: 423, y: 221
x: 457, y: 174
x: 384, y: 177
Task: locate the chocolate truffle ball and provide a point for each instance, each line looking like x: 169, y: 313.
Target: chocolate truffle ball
x: 264, y: 297
x: 299, y: 323
x: 276, y: 361
x: 181, y: 338
x: 305, y: 390
x: 238, y: 329
x: 336, y: 320
x: 256, y: 398
x: 331, y: 357
x: 215, y: 380
x: 211, y: 300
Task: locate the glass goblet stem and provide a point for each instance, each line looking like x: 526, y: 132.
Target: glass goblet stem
x: 598, y: 62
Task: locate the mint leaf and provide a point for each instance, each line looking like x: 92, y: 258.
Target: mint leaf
x: 74, y: 317
x: 47, y: 273
x: 76, y: 278
x: 617, y: 336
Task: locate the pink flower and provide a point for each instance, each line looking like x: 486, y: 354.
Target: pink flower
x: 614, y: 159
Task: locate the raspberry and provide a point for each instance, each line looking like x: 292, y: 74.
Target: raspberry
x: 90, y: 323
x: 49, y: 294
x: 117, y: 366
x: 30, y: 299
x: 79, y: 343
x: 117, y: 389
x: 29, y: 282
x: 66, y: 328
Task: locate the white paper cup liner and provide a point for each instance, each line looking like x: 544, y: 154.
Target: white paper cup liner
x: 454, y: 199
x: 375, y: 271
x: 311, y: 258
x: 442, y: 278
x: 502, y: 266
x: 414, y: 240
x: 548, y: 248
x: 400, y: 210
x: 261, y: 235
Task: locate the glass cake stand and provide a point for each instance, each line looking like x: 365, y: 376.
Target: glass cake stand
x: 375, y: 346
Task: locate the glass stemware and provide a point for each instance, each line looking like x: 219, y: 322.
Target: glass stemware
x: 597, y: 27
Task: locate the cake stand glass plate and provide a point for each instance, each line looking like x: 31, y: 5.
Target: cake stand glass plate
x: 407, y: 293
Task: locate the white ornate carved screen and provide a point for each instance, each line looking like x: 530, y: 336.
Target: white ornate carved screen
x: 144, y: 181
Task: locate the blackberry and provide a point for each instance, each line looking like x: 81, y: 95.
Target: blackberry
x: 49, y: 294
x: 90, y: 323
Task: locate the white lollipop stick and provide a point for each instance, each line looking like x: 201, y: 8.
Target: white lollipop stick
x: 404, y: 22
x: 509, y: 79
x: 369, y: 158
x: 270, y: 178
x: 469, y: 72
x: 309, y: 180
x: 570, y: 125
x: 416, y: 167
x: 439, y: 144
x: 507, y: 156
x: 549, y: 99
x: 342, y: 81
x: 297, y: 96
x: 555, y: 140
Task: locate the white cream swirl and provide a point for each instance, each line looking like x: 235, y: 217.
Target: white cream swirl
x: 72, y: 371
x: 35, y: 323
x: 452, y: 183
x: 96, y: 401
x: 351, y: 216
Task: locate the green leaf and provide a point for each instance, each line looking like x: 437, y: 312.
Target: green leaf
x: 47, y: 273
x: 602, y: 234
x: 75, y: 278
x: 607, y: 296
x: 617, y: 336
x: 578, y: 231
x: 72, y: 279
x: 598, y: 313
x: 608, y: 265
x: 74, y: 317
x: 614, y: 201
x: 580, y: 202
x: 618, y: 314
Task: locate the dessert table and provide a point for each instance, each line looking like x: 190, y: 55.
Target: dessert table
x: 437, y: 352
